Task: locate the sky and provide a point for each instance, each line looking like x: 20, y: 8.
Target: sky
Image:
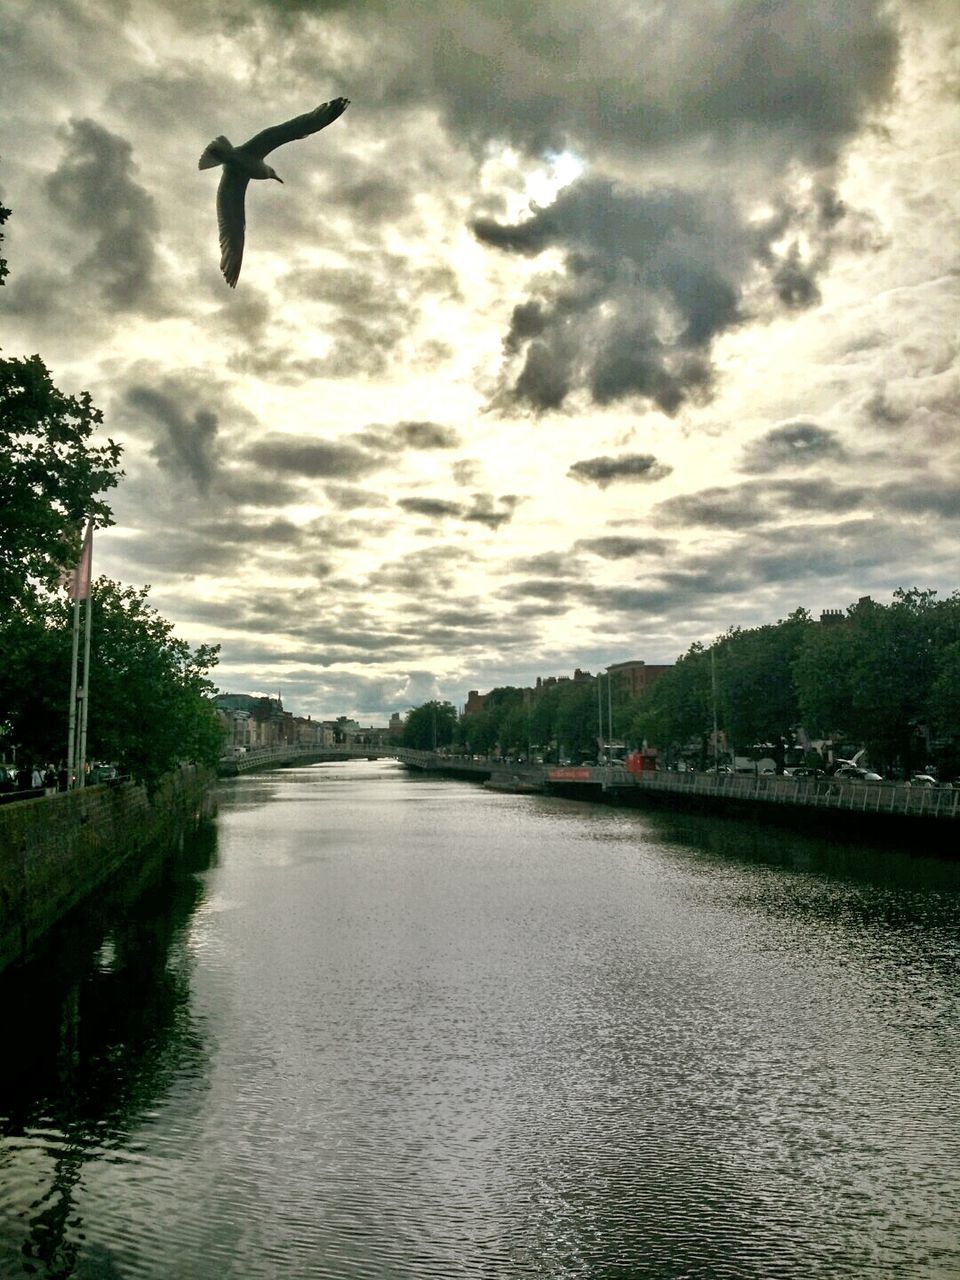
x: 584, y: 334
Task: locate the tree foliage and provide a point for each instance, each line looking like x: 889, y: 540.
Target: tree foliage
x: 150, y: 701
x: 149, y: 697
x: 431, y: 725
x: 52, y: 475
x: 884, y: 677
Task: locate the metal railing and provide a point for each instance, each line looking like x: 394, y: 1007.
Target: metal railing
x: 818, y: 793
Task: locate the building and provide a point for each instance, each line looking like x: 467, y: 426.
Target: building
x: 631, y: 679
x: 475, y: 702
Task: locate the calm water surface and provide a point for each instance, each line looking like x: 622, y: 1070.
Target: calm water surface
x: 379, y: 1025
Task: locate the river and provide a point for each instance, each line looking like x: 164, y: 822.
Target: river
x: 376, y: 1024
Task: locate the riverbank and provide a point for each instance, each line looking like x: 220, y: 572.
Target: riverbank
x: 925, y: 821
x: 56, y: 850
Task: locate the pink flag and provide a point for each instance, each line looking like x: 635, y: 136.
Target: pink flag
x: 77, y: 581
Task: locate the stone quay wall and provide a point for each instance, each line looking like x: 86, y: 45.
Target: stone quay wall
x: 55, y: 850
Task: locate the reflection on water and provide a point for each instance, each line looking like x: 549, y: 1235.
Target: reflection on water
x: 380, y: 1025
x: 98, y: 1028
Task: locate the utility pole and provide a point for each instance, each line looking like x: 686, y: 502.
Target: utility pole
x: 713, y: 685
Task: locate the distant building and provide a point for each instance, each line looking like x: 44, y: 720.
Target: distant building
x: 635, y: 677
x: 252, y: 721
x: 475, y: 702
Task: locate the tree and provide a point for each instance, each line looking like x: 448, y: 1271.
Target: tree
x: 150, y: 699
x: 578, y: 725
x: 431, y: 725
x: 51, y: 475
x: 883, y: 675
x: 755, y: 685
x: 679, y: 706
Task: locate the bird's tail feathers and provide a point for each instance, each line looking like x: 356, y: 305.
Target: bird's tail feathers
x: 216, y: 152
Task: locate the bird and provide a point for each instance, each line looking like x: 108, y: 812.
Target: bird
x: 242, y: 163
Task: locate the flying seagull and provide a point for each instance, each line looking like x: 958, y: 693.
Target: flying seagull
x: 240, y: 164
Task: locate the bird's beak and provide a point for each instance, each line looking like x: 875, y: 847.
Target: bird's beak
x: 279, y: 179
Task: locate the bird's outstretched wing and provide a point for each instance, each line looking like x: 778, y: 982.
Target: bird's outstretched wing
x: 261, y: 144
x: 232, y: 221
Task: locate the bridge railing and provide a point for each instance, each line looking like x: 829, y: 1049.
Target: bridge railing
x: 818, y: 793
x: 826, y: 793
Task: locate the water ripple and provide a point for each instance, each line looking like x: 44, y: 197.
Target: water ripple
x: 412, y: 1029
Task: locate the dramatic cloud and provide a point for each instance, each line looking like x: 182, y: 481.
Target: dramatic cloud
x: 312, y: 459
x: 409, y: 435
x: 644, y: 79
x: 650, y: 279
x: 187, y: 445
x: 629, y: 466
x: 485, y: 509
x: 96, y: 192
x: 434, y: 508
x: 615, y: 547
x: 750, y: 505
x: 490, y: 511
x: 706, y: 249
x: 794, y: 444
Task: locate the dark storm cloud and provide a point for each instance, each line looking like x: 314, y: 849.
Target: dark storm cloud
x: 749, y: 505
x: 408, y: 435
x: 427, y: 577
x: 793, y: 444
x: 95, y: 189
x: 551, y: 76
x: 186, y: 443
x: 651, y: 278
x: 232, y: 542
x: 348, y: 497
x: 555, y: 564
x: 248, y: 488
x: 465, y: 617
x: 434, y: 508
x: 925, y: 495
x: 375, y: 306
x: 490, y: 511
x: 629, y: 466
x: 549, y: 589
x: 617, y: 547
x: 310, y: 458
x: 547, y: 76
x: 484, y: 509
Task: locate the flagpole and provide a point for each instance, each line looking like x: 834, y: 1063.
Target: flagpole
x: 78, y: 586
x: 87, y: 630
x: 72, y: 731
x: 85, y: 696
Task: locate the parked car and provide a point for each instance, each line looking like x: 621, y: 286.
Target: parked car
x: 853, y: 772
x: 923, y: 780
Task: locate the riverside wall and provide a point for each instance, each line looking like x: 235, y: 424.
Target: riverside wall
x: 56, y: 850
